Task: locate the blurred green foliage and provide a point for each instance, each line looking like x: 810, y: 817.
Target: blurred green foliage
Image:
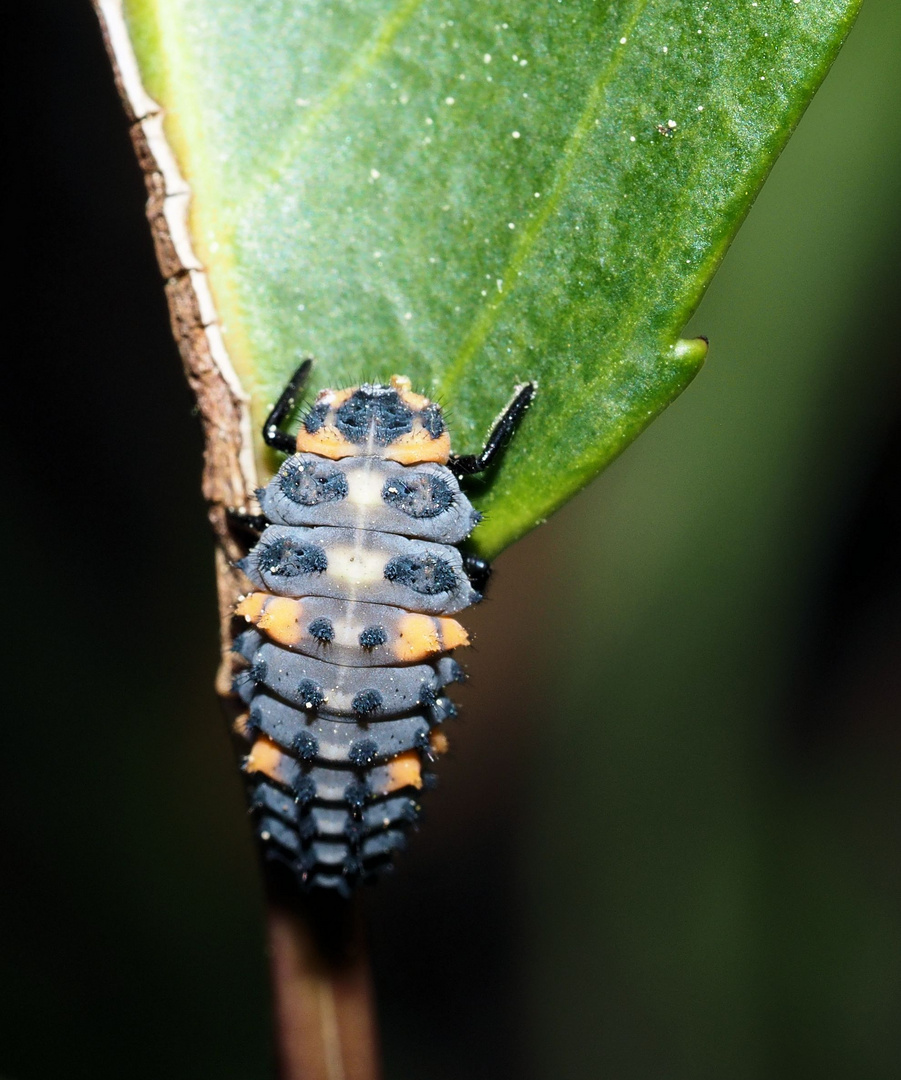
x: 666, y: 841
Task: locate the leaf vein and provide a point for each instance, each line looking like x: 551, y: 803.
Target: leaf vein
x: 355, y: 71
x: 484, y: 321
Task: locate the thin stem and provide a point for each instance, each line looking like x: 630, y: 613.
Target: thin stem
x: 323, y: 1006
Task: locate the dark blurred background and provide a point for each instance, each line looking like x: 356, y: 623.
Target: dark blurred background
x: 666, y: 843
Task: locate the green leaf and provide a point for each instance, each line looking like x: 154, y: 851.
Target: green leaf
x: 473, y: 194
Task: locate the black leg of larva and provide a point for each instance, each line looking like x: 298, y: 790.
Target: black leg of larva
x: 282, y: 409
x: 500, y: 434
x: 477, y: 570
x: 252, y: 524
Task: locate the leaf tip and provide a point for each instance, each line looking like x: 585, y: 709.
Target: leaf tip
x: 691, y: 352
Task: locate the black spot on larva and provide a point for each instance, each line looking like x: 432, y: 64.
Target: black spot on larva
x: 285, y: 557
x: 371, y: 636
x: 306, y: 828
x: 304, y: 789
x: 257, y: 672
x: 366, y: 702
x: 322, y: 630
x: 425, y: 574
x: 305, y: 745
x: 432, y: 420
x: 357, y: 794
x: 422, y: 740
x: 315, y: 418
x: 312, y: 483
x: 363, y: 752
x: 374, y: 409
x: 427, y: 695
x: 309, y: 694
x: 254, y: 721
x: 421, y: 495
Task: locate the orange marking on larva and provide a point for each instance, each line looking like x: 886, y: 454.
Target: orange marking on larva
x: 327, y: 442
x: 404, y: 771
x: 419, y: 636
x: 251, y: 606
x: 280, y: 620
x: 240, y: 728
x: 265, y: 757
x: 418, y: 447
x: 453, y: 634
x: 438, y: 742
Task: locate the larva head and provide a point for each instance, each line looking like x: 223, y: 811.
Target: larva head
x: 386, y: 421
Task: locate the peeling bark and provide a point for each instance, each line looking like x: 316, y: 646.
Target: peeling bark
x: 229, y: 477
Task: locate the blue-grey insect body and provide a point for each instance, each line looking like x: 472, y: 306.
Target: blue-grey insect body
x: 356, y: 575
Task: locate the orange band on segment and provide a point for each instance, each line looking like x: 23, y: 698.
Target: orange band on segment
x: 453, y: 634
x: 280, y: 620
x: 251, y: 606
x: 404, y: 771
x: 265, y: 757
x: 240, y: 728
x: 418, y: 447
x: 419, y: 636
x: 327, y: 442
x: 438, y: 742
x: 277, y: 616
